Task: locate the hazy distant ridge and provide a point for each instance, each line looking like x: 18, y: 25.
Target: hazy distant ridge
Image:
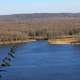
x: 38, y: 15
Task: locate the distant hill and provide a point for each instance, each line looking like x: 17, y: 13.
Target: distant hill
x: 39, y: 21
x: 38, y: 16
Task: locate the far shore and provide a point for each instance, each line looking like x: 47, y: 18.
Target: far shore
x: 64, y: 41
x: 16, y: 42
x: 50, y: 41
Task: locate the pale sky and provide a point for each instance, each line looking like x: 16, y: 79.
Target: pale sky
x: 38, y: 6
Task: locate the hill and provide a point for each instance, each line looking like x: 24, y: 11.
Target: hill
x: 38, y: 16
x: 37, y: 22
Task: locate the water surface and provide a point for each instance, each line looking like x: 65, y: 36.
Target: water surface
x: 41, y: 61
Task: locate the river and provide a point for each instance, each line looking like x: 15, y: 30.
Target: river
x: 41, y: 61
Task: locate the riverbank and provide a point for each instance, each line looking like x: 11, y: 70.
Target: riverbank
x: 67, y: 40
x: 64, y: 41
x: 16, y: 42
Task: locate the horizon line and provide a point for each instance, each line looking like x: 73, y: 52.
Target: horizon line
x: 42, y: 13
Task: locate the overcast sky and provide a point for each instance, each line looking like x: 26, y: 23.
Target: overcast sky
x: 38, y: 6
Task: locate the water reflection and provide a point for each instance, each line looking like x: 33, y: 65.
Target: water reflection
x: 6, y: 61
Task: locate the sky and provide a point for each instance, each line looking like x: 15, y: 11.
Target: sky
x: 38, y: 6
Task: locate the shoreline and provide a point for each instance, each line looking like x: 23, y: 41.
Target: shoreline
x: 64, y: 41
x: 50, y: 41
x: 16, y: 42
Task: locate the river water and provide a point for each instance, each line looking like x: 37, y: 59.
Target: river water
x: 41, y: 61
